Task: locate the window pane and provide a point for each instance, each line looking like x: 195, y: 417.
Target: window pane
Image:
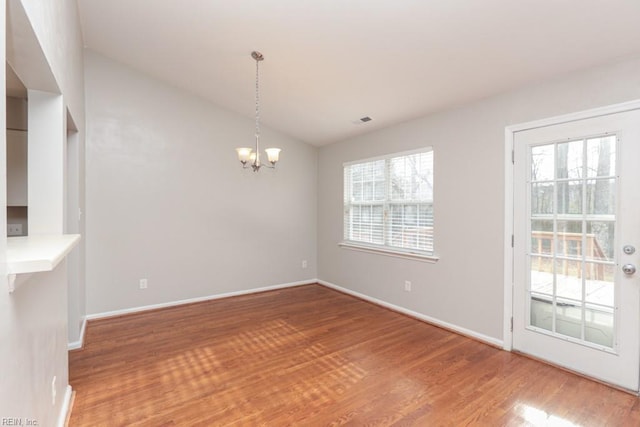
x: 542, y: 237
x: 601, y: 156
x: 365, y: 178
x: 397, y: 213
x: 379, y: 190
x: 356, y: 218
x: 601, y: 195
x: 599, y: 327
x: 600, y: 240
x: 570, y: 155
x: 367, y: 191
x: 568, y: 281
x: 567, y: 270
x: 569, y: 239
x: 412, y: 177
x: 426, y: 227
x: 411, y: 215
x: 397, y: 191
x: 569, y: 318
x: 366, y: 214
x: 541, y: 315
x: 542, y: 275
x: 542, y: 199
x: 569, y: 197
x: 378, y: 173
x: 356, y: 172
x: 599, y: 283
x: 356, y: 193
x: 411, y: 226
x: 542, y: 162
x: 377, y: 234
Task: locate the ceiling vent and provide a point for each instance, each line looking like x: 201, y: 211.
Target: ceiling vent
x: 362, y: 120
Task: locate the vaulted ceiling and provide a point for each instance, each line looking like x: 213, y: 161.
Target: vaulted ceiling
x: 330, y: 62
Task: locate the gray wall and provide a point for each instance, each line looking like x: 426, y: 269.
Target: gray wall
x: 465, y: 287
x: 168, y: 201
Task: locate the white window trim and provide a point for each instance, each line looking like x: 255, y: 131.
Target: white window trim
x: 384, y: 250
x: 388, y: 250
x: 387, y: 156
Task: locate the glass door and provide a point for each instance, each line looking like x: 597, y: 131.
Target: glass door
x: 576, y: 206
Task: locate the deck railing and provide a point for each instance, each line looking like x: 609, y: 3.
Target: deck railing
x: 569, y: 247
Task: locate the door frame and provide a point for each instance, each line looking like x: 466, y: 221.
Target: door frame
x: 509, y: 169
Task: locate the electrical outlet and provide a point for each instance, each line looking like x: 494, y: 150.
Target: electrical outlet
x: 407, y: 286
x: 14, y: 229
x: 305, y: 264
x: 53, y: 390
x: 143, y: 283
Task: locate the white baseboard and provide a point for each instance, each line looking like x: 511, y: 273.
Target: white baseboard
x: 445, y: 325
x: 192, y: 300
x: 75, y: 345
x: 66, y: 407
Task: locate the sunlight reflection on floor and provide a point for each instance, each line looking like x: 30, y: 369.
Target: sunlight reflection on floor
x: 538, y: 417
x: 223, y: 369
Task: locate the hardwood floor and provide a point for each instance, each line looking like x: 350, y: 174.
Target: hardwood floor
x: 311, y: 356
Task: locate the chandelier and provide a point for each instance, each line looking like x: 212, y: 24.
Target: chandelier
x: 248, y: 156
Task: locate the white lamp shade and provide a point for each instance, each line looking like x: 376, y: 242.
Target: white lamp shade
x: 244, y: 154
x: 273, y: 154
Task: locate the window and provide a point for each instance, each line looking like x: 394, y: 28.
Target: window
x: 388, y: 203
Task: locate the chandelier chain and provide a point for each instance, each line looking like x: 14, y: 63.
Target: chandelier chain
x: 257, y: 99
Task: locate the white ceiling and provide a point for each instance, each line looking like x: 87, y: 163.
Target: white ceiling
x: 330, y: 62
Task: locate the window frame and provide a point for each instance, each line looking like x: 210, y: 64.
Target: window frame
x: 387, y: 202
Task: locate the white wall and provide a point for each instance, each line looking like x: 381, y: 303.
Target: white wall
x: 56, y: 24
x: 46, y: 163
x: 57, y: 27
x: 33, y: 326
x: 168, y: 201
x: 7, y: 379
x: 464, y: 288
x: 33, y: 319
x: 75, y: 225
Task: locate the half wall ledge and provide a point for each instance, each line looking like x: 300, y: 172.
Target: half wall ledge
x: 34, y: 254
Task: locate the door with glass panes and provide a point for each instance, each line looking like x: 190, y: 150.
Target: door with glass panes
x: 576, y: 230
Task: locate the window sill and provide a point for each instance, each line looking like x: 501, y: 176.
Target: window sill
x: 389, y: 252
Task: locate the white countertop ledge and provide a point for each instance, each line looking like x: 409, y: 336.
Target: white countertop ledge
x: 33, y: 254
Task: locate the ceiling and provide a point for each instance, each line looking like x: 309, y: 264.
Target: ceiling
x: 14, y: 86
x: 330, y: 62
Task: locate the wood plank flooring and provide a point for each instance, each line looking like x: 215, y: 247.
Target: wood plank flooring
x: 312, y: 356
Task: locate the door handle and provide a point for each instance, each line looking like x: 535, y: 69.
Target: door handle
x: 628, y: 269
